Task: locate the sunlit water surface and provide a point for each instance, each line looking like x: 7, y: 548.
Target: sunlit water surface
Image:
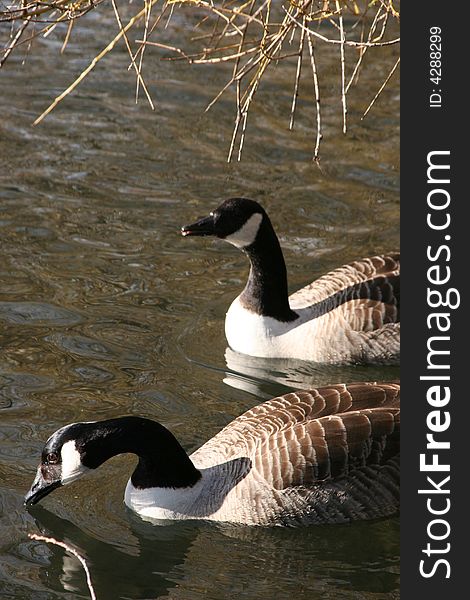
x: 105, y: 310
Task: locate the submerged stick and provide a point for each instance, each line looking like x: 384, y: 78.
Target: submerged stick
x: 49, y: 540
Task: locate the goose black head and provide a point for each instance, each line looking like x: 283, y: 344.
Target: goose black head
x: 74, y: 449
x: 236, y: 220
x: 62, y: 461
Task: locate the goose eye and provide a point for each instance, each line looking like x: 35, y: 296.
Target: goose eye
x: 52, y: 458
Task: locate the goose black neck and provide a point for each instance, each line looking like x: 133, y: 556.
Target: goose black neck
x: 266, y: 291
x: 162, y: 460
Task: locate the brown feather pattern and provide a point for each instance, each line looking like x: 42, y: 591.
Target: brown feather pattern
x: 330, y: 454
x: 375, y: 278
x: 359, y: 305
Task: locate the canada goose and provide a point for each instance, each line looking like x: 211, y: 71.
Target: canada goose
x: 329, y: 455
x: 350, y: 315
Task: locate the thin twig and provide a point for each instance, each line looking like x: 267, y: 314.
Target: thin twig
x: 242, y: 41
x: 362, y: 51
x: 198, y: 61
x: 128, y: 46
x: 343, y: 67
x: 316, y: 87
x: 347, y: 42
x: 92, y: 65
x: 148, y: 7
x: 166, y: 47
x: 394, y: 68
x: 14, y: 41
x: 273, y: 27
x: 268, y: 53
x: 67, y: 35
x: 237, y: 123
x: 160, y: 16
x: 50, y: 540
x: 297, y: 77
x: 242, y: 136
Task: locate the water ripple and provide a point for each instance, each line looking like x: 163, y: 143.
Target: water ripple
x: 37, y: 313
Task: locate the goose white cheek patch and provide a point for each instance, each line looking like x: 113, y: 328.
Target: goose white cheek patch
x: 72, y: 467
x: 246, y: 235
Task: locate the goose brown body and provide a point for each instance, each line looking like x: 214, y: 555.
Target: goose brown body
x: 327, y: 455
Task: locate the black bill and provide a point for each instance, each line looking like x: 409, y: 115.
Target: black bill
x: 204, y: 226
x: 40, y: 488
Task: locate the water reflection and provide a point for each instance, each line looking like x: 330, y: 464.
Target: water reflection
x: 189, y: 560
x: 138, y: 564
x: 252, y: 373
x: 262, y: 377
x: 36, y: 313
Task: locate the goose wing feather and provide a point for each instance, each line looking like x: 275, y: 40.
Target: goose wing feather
x: 330, y: 447
x: 378, y: 274
x: 365, y: 294
x: 357, y: 309
x: 327, y: 455
x: 357, y: 429
x: 296, y: 424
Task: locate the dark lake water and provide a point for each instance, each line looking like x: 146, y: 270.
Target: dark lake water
x: 105, y: 310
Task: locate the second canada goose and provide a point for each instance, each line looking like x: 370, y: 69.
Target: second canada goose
x: 350, y: 315
x: 329, y: 455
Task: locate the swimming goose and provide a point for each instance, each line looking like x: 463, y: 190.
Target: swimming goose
x: 329, y: 455
x: 350, y: 315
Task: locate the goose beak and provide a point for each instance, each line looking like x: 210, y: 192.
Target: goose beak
x: 204, y: 226
x: 41, y: 487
